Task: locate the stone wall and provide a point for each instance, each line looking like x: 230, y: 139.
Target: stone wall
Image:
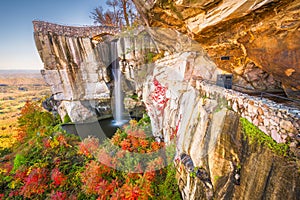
x: 72, y: 31
x: 274, y: 119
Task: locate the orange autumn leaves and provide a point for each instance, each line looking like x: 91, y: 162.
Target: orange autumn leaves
x: 130, y: 149
x: 134, y: 139
x: 56, y: 165
x: 126, y: 166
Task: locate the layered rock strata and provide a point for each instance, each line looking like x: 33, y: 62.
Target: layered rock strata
x: 239, y: 34
x: 77, y: 65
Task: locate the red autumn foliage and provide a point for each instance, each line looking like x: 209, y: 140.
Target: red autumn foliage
x: 58, y: 195
x: 134, y: 142
x: 155, y: 146
x: 61, y: 139
x: 82, y: 149
x: 88, y: 146
x: 116, y: 139
x: 46, y: 142
x: 35, y: 183
x: 21, y: 173
x: 54, y: 173
x: 92, y: 177
x: 7, y: 166
x: 131, y: 191
x: 13, y: 193
x: 58, y: 178
x: 105, y: 188
x: 144, y: 143
x: 20, y: 136
x: 150, y: 175
x: 125, y: 144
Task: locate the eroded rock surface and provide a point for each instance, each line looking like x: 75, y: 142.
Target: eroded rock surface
x: 78, y: 66
x: 263, y: 33
x: 214, y: 158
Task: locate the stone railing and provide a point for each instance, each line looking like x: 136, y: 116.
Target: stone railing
x: 72, y: 31
x: 276, y: 120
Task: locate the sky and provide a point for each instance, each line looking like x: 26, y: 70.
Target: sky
x: 17, y: 47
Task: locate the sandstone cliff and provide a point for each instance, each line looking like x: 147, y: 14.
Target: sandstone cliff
x: 257, y: 41
x: 78, y: 62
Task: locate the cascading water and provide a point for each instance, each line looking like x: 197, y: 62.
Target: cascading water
x: 118, y: 97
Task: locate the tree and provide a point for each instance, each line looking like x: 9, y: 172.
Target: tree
x: 106, y: 18
x: 119, y: 13
x: 124, y: 4
x: 33, y: 119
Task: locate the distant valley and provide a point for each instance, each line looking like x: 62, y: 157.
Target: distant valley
x: 17, y: 87
x: 21, y: 77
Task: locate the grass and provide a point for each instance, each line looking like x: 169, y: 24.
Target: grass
x: 256, y: 135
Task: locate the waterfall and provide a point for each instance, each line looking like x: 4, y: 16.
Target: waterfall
x: 118, y: 97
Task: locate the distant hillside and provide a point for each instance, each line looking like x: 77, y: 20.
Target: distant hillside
x: 21, y: 77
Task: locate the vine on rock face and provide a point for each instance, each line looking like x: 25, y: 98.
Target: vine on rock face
x: 159, y: 95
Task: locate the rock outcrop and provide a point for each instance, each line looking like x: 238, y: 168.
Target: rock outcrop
x: 74, y: 68
x: 77, y: 65
x: 239, y: 35
x: 215, y: 158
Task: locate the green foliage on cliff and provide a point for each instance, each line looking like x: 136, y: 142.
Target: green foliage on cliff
x: 256, y: 135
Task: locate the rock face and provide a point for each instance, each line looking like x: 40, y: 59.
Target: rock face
x: 74, y: 67
x: 262, y: 34
x: 78, y: 63
x: 214, y: 158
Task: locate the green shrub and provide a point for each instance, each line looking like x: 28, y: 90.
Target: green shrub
x: 149, y: 57
x: 167, y: 187
x: 33, y: 119
x: 67, y: 119
x: 19, y: 161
